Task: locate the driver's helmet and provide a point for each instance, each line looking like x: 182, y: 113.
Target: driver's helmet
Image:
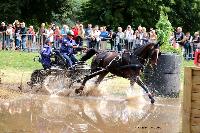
x: 70, y: 33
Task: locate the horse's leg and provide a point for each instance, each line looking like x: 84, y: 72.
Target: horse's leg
x: 86, y: 78
x: 132, y: 82
x: 140, y: 83
x: 100, y: 78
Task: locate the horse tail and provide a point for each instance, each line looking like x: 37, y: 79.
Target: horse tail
x: 89, y: 54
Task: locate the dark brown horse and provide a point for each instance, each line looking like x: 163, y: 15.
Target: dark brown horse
x: 127, y: 65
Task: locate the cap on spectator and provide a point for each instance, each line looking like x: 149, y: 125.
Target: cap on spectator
x: 70, y: 33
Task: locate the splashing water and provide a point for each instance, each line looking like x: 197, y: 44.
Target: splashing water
x: 135, y: 94
x: 58, y: 85
x: 134, y: 91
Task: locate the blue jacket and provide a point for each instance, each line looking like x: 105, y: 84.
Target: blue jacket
x: 104, y: 34
x: 67, y: 46
x: 46, y: 54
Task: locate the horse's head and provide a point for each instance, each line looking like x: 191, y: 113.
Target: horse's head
x: 154, y: 53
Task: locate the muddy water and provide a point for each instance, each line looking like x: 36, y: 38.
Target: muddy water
x: 51, y: 114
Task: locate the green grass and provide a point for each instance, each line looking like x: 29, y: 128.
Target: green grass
x: 18, y: 61
x: 23, y: 61
x: 184, y: 64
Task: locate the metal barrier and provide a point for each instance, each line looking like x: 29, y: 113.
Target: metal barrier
x: 29, y: 42
x: 24, y: 42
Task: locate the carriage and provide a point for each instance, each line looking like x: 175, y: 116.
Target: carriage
x: 58, y: 75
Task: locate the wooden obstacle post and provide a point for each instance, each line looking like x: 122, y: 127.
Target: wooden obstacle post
x: 191, y: 101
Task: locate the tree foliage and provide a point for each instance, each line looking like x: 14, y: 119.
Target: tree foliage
x: 34, y: 11
x: 185, y: 13
x: 164, y: 30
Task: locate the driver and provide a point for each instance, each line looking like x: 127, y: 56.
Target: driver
x: 67, y: 49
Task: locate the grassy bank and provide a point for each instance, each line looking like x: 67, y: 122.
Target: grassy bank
x: 22, y: 61
x: 16, y: 67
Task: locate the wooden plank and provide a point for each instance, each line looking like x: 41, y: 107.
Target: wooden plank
x: 196, y: 80
x: 195, y: 112
x: 195, y: 88
x: 186, y: 125
x: 195, y: 121
x: 196, y: 73
x: 195, y: 105
x: 194, y: 68
x: 196, y: 96
x: 195, y: 129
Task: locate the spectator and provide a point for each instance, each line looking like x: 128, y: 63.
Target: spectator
x: 104, y: 37
x: 196, y: 41
x: 145, y: 38
x: 81, y: 35
x: 53, y: 26
x: 144, y: 30
x: 17, y: 36
x: 49, y: 34
x: 119, y: 39
x: 96, y: 37
x: 179, y: 35
x: 23, y: 35
x: 64, y: 30
x: 171, y: 40
x: 187, y: 45
x: 3, y: 34
x: 57, y: 37
x: 88, y: 33
x: 9, y: 36
x: 75, y: 30
x: 42, y: 32
x: 112, y: 35
x: 137, y: 41
x: 152, y: 36
x: 31, y: 35
x: 140, y: 31
x: 128, y: 37
x: 15, y: 23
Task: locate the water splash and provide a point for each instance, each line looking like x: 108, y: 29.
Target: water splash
x: 134, y: 91
x: 135, y: 94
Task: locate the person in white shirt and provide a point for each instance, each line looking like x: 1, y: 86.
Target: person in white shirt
x: 128, y: 37
x: 119, y: 39
x: 96, y: 35
x: 49, y: 34
x: 9, y: 36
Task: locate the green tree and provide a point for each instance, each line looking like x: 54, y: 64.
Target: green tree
x: 69, y: 15
x: 185, y: 13
x: 164, y: 30
x: 32, y: 11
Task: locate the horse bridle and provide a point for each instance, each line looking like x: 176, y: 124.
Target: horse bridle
x: 146, y: 60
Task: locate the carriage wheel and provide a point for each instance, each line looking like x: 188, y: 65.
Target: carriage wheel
x: 57, y: 81
x: 37, y: 77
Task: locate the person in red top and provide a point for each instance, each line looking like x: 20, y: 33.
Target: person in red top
x: 57, y: 36
x: 75, y: 30
x: 198, y: 60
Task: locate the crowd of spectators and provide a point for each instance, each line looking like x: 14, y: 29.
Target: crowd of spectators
x: 19, y: 36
